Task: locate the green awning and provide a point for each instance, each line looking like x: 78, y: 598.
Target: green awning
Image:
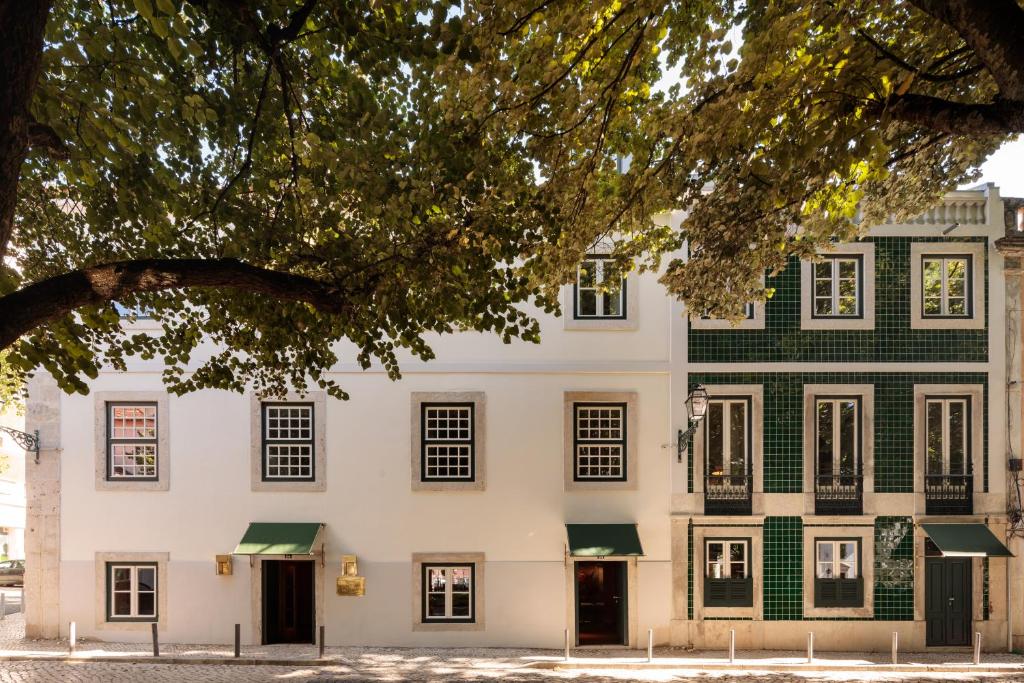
x: 279, y: 538
x: 603, y: 540
x: 966, y: 540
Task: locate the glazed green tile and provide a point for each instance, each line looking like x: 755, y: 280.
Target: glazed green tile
x: 783, y: 598
x: 891, y: 340
x: 894, y: 569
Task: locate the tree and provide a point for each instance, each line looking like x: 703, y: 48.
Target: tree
x: 277, y: 176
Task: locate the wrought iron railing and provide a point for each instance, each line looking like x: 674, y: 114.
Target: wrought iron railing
x: 949, y: 494
x: 838, y: 494
x: 727, y: 494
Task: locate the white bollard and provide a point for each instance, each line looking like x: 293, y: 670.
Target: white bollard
x: 977, y: 647
x: 810, y: 647
x: 895, y: 646
x: 567, y: 645
x: 72, y: 644
x: 732, y: 646
x: 650, y: 645
x: 3, y: 606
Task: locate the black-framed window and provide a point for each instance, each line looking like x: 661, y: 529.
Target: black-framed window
x: 727, y: 439
x: 132, y: 441
x: 728, y: 579
x: 837, y: 428
x: 599, y: 441
x: 947, y: 435
x: 132, y: 591
x: 748, y: 313
x: 837, y: 573
x: 289, y: 453
x: 837, y: 287
x: 449, y: 593
x: 594, y: 298
x: 946, y: 286
x: 448, y: 442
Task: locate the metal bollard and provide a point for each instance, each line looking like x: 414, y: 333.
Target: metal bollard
x: 567, y: 645
x: 72, y: 644
x: 895, y: 646
x: 810, y: 647
x: 650, y: 645
x: 320, y: 649
x: 3, y: 606
x: 156, y: 641
x: 977, y: 647
x: 732, y: 646
x: 238, y: 641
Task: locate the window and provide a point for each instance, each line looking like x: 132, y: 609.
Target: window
x: 447, y: 442
x: 837, y: 431
x: 947, y: 428
x: 448, y: 593
x: 837, y: 287
x: 600, y: 441
x: 728, y: 440
x: 727, y: 577
x: 132, y: 441
x: 288, y: 442
x: 837, y: 580
x: 593, y: 296
x: 945, y: 287
x: 131, y: 592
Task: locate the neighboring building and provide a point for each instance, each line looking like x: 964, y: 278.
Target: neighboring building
x: 501, y: 495
x: 12, y: 489
x: 852, y: 421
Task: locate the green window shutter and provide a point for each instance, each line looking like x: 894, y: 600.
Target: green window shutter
x: 839, y: 592
x: 728, y: 592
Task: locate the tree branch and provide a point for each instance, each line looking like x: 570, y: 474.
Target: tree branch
x: 993, y: 29
x: 41, y: 136
x: 51, y: 299
x: 1002, y: 117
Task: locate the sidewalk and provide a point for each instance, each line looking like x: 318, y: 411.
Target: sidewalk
x: 498, y: 662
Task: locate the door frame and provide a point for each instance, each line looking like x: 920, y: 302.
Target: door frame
x: 969, y: 596
x: 256, y: 590
x: 630, y: 597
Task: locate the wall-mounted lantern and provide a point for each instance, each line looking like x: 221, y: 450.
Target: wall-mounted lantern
x: 696, y: 408
x: 223, y: 565
x: 349, y: 583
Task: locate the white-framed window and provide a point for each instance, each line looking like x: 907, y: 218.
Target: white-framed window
x: 836, y: 287
x: 448, y: 441
x: 727, y: 440
x: 288, y: 449
x: 599, y: 441
x: 836, y: 559
x: 131, y: 591
x: 837, y: 436
x: 594, y: 296
x: 448, y: 593
x: 947, y: 435
x: 945, y: 287
x: 727, y: 559
x: 132, y: 441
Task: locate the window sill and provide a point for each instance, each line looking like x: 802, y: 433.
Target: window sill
x: 419, y: 485
x: 627, y: 324
x: 290, y: 486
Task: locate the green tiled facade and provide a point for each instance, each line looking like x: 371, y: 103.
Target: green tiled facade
x: 894, y: 421
x: 783, y: 568
x: 891, y: 341
x: 894, y: 569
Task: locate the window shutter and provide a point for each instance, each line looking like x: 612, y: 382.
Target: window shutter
x: 839, y: 592
x: 728, y: 592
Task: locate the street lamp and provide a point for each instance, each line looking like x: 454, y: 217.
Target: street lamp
x: 30, y: 442
x: 696, y: 408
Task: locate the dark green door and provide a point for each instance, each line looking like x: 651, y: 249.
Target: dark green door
x: 948, y: 600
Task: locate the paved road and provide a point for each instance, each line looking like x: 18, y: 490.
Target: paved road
x: 12, y: 599
x: 57, y: 672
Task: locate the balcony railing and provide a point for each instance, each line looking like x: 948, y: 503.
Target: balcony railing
x: 949, y: 494
x: 727, y: 494
x: 838, y: 494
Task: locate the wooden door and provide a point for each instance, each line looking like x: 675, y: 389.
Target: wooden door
x: 288, y: 601
x: 601, y: 603
x: 948, y: 604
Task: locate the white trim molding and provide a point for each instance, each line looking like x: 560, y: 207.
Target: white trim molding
x: 976, y: 252
x: 866, y: 321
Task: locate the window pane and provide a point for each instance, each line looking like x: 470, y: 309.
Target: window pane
x: 957, y: 437
x: 848, y: 305
x: 848, y: 269
x: 587, y: 273
x: 460, y: 605
x: 825, y: 558
x: 147, y: 604
x: 848, y: 437
x: 122, y: 604
x: 823, y: 270
x: 737, y: 439
x: 436, y: 580
x: 435, y: 605
x: 823, y: 306
x: 122, y: 579
x: 737, y: 560
x: 957, y: 307
x: 823, y: 289
x: 956, y: 277
x: 460, y: 579
x: 147, y: 578
x: 825, y: 445
x: 588, y: 302
x: 932, y: 306
x: 934, y: 428
x: 613, y: 302
x: 716, y: 561
x: 848, y: 560
x: 716, y: 442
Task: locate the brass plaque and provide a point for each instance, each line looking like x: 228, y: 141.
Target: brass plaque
x: 352, y: 585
